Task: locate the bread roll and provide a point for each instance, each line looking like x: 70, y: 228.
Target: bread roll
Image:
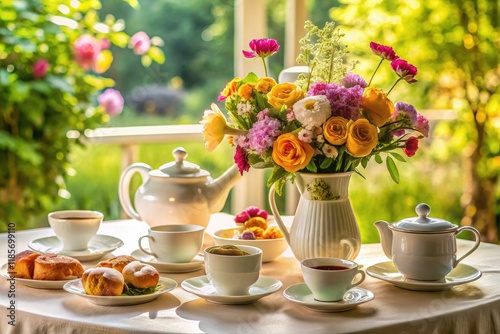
x: 25, y: 264
x: 55, y: 267
x: 118, y: 262
x: 103, y: 281
x: 140, y: 275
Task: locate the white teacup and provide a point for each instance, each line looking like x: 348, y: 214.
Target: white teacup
x: 174, y: 243
x: 233, y: 275
x: 330, y: 278
x: 75, y: 228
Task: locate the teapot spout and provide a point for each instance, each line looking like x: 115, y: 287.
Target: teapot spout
x: 385, y: 237
x: 217, y: 190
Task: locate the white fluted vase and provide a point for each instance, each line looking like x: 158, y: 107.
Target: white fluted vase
x: 324, y: 224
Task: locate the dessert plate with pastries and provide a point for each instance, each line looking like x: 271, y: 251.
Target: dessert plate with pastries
x: 42, y: 271
x: 119, y: 281
x: 98, y: 246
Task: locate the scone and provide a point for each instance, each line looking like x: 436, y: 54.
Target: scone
x: 55, y: 267
x: 102, y: 281
x: 118, y: 262
x: 140, y: 275
x: 25, y: 264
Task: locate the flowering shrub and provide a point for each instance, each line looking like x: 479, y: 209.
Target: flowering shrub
x: 52, y: 58
x: 329, y: 120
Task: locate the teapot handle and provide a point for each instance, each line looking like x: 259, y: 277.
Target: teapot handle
x: 476, y: 244
x: 124, y: 186
x: 277, y: 216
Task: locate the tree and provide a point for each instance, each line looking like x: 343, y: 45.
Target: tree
x: 456, y: 47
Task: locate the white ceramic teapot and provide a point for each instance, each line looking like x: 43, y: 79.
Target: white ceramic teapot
x: 178, y: 192
x: 423, y: 248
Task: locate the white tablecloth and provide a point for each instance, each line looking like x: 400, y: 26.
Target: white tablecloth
x: 469, y: 308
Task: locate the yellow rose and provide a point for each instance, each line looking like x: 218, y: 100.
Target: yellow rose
x: 335, y: 130
x: 378, y: 108
x: 230, y: 89
x: 291, y: 153
x: 265, y: 84
x: 362, y: 137
x: 285, y: 94
x: 215, y: 128
x: 246, y: 90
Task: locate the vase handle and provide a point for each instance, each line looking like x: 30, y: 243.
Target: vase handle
x: 352, y: 245
x: 277, y: 216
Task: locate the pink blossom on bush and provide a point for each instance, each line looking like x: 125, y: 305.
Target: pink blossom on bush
x: 86, y: 50
x: 40, y: 68
x: 112, y: 101
x: 140, y: 42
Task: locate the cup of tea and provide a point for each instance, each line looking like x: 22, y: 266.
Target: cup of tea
x: 75, y: 228
x: 233, y: 273
x: 330, y: 278
x: 173, y: 243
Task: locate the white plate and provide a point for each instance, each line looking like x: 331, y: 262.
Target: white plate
x: 387, y: 271
x: 32, y: 283
x: 301, y: 294
x: 75, y: 287
x: 201, y: 287
x: 172, y: 268
x: 98, y: 246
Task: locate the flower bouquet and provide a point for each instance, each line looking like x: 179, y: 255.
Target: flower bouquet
x: 330, y: 120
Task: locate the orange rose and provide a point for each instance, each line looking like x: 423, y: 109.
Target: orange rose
x: 335, y: 130
x: 378, y: 108
x: 291, y: 153
x: 245, y: 91
x: 285, y: 94
x: 265, y: 84
x: 230, y: 89
x: 362, y: 137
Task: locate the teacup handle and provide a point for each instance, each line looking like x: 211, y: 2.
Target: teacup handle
x: 360, y: 280
x: 476, y: 244
x: 143, y: 249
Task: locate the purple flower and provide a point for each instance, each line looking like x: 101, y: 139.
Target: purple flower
x: 404, y: 70
x: 241, y: 160
x: 263, y: 134
x: 423, y: 125
x: 40, y: 68
x: 406, y: 114
x: 247, y: 235
x: 262, y: 48
x: 386, y: 52
x: 344, y: 101
x: 112, y: 101
x: 351, y: 80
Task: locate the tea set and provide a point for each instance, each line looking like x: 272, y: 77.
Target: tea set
x: 422, y: 250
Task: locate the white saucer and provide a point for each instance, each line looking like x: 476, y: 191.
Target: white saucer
x: 32, y: 283
x: 171, y: 268
x: 98, y: 246
x: 301, y: 294
x: 75, y: 287
x: 387, y: 271
x: 201, y: 287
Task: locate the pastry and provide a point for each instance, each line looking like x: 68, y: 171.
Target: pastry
x: 25, y: 264
x: 117, y: 262
x: 140, y: 275
x: 103, y: 281
x: 55, y: 267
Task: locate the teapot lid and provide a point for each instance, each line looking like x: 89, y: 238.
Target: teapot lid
x: 180, y: 167
x: 423, y: 223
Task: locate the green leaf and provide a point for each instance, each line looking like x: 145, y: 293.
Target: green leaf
x: 24, y: 150
x: 378, y: 159
x: 364, y: 162
x: 393, y: 169
x: 326, y: 163
x: 277, y: 174
x: 398, y: 156
x: 59, y: 83
x: 251, y: 78
x: 311, y: 166
x: 156, y: 54
x: 119, y: 39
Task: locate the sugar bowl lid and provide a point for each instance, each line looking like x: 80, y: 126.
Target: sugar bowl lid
x: 423, y: 223
x: 180, y: 168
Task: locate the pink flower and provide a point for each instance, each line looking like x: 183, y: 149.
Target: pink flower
x: 423, y: 125
x: 404, y: 70
x: 262, y: 48
x: 40, y: 68
x: 140, y: 42
x: 411, y: 146
x: 112, y: 101
x: 240, y: 157
x: 251, y: 211
x: 386, y: 52
x: 86, y: 50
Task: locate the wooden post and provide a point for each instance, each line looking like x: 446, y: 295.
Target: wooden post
x: 294, y: 30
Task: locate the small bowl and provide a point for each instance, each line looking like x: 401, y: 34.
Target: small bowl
x: 271, y: 248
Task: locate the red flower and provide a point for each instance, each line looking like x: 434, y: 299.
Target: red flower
x: 411, y: 147
x: 404, y: 70
x: 386, y: 52
x: 40, y: 68
x: 262, y: 47
x: 240, y: 157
